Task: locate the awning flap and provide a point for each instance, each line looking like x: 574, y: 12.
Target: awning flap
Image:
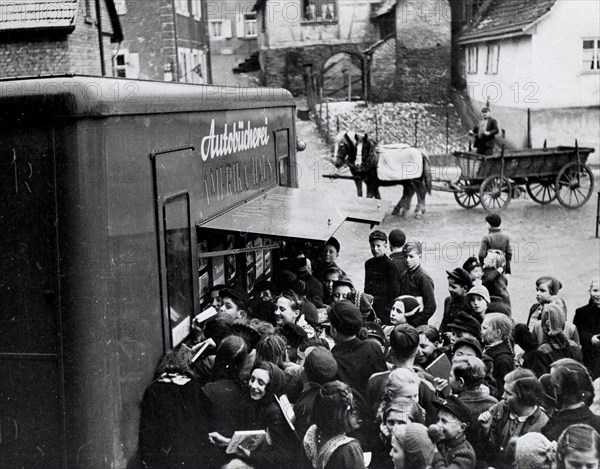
x: 296, y: 213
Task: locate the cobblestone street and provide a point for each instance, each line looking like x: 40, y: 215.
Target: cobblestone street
x: 548, y: 240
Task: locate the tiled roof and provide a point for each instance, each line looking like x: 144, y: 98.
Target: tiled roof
x: 505, y: 18
x: 37, y: 14
x: 384, y: 8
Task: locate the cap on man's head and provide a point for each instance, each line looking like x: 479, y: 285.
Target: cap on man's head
x: 333, y: 242
x: 378, y: 235
x: 397, y: 238
x: 485, y: 109
x: 345, y: 317
x: 404, y: 339
x: 494, y: 220
x: 238, y: 296
x: 375, y: 331
x: 456, y: 407
x: 320, y: 366
x: 473, y: 343
x: 470, y: 264
x: 461, y: 276
x: 480, y: 290
x: 466, y: 323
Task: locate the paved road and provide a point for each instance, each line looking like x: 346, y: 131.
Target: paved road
x: 548, y: 240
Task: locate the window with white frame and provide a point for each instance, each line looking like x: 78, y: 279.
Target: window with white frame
x: 192, y: 65
x: 181, y: 7
x: 319, y: 10
x: 472, y: 59
x: 493, y: 55
x: 121, y: 7
x: 125, y: 64
x: 250, y: 25
x: 219, y: 29
x: 591, y: 54
x: 197, y: 9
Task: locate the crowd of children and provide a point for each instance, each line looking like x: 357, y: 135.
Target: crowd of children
x: 322, y: 375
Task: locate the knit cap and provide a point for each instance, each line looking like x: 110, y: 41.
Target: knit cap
x: 345, y: 317
x: 481, y: 291
x: 534, y: 451
x: 417, y: 444
x: 411, y: 305
x: 320, y: 366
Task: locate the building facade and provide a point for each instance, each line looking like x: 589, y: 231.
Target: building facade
x: 537, y: 63
x: 164, y: 40
x: 47, y: 37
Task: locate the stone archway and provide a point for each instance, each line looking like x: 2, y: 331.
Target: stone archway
x: 342, y: 77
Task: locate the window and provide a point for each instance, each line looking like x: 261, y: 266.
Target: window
x: 472, y: 58
x: 90, y: 11
x: 121, y: 7
x: 319, y: 10
x: 591, y: 54
x: 125, y: 64
x: 250, y: 26
x: 178, y: 253
x: 493, y: 54
x: 197, y: 9
x: 219, y: 29
x: 121, y: 65
x: 192, y: 65
x: 181, y: 7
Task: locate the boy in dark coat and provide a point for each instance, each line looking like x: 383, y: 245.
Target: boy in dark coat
x: 587, y: 321
x: 381, y: 277
x: 416, y: 282
x: 452, y: 448
x: 496, y: 331
x: 459, y: 284
x: 495, y: 239
x: 397, y: 240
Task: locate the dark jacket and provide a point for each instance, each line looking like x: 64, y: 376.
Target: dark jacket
x: 357, y: 360
x: 477, y: 402
x: 173, y: 427
x: 381, y: 281
x: 451, y: 307
x: 549, y: 352
x: 504, y: 362
x: 455, y: 454
x: 501, y: 454
x: 418, y: 283
x: 496, y: 239
x: 399, y: 259
x: 485, y: 143
x: 303, y: 407
x: 228, y: 401
x: 587, y: 321
x: 565, y: 418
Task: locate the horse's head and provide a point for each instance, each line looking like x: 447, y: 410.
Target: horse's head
x: 348, y: 146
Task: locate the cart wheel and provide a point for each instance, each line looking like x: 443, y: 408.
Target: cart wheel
x: 542, y: 191
x: 574, y: 188
x: 467, y: 197
x: 495, y: 193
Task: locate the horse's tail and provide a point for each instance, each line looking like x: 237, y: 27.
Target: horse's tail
x: 426, y: 176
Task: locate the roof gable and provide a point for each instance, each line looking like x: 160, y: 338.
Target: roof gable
x: 37, y: 14
x: 502, y: 18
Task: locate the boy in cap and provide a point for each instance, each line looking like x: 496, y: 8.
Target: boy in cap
x: 329, y: 259
x: 234, y: 303
x: 464, y: 325
x: 381, y: 276
x: 459, y: 283
x: 397, y: 239
x: 495, y: 240
x: 452, y: 448
x: 416, y: 282
x: 475, y: 269
x: 319, y: 368
x: 357, y: 359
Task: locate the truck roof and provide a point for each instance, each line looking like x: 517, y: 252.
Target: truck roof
x: 91, y: 96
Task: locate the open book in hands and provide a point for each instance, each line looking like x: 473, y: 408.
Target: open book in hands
x: 247, y: 439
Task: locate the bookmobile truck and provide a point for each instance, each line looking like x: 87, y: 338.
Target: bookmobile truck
x: 122, y: 202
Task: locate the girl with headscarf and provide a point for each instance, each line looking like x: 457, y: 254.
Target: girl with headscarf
x: 263, y: 412
x: 555, y: 345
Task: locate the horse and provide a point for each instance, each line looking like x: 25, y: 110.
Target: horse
x: 362, y: 154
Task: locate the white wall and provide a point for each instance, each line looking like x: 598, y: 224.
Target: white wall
x: 557, y: 55
x: 285, y: 28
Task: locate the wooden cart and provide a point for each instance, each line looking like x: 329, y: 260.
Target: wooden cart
x: 547, y: 174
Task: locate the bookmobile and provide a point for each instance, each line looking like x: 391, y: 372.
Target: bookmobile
x: 122, y: 203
